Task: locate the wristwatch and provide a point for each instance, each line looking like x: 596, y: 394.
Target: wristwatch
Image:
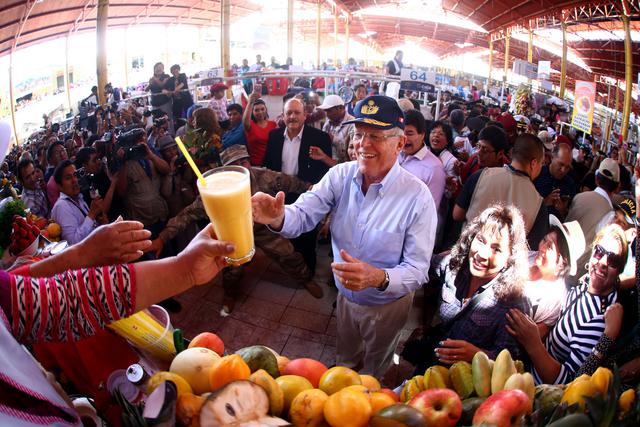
x: 385, y: 284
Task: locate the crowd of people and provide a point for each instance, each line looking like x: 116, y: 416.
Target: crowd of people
x: 523, y: 237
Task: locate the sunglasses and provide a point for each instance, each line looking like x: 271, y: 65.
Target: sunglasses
x: 613, y: 260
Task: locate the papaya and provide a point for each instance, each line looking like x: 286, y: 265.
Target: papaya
x: 573, y: 420
x: 228, y: 369
x: 481, y: 372
x: 434, y: 377
x: 502, y: 370
x: 577, y: 392
x: 601, y: 378
x: 462, y: 379
x: 260, y: 357
x: 274, y: 392
x: 522, y: 382
x: 469, y: 407
x: 626, y: 399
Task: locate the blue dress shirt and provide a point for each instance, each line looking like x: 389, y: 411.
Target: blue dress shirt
x: 391, y: 227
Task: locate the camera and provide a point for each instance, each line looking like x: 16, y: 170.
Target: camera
x: 159, y: 122
x: 128, y: 141
x: 87, y: 182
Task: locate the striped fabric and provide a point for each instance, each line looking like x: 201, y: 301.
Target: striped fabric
x: 578, y: 330
x: 72, y: 305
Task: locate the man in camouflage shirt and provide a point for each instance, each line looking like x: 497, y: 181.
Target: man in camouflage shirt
x: 275, y: 246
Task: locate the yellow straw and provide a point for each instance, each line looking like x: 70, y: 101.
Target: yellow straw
x: 190, y: 160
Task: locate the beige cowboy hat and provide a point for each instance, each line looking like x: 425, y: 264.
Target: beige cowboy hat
x: 573, y: 235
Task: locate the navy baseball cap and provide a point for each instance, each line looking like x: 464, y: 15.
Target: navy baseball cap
x: 378, y: 111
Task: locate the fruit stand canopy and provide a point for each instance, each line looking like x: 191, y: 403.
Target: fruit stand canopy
x: 442, y: 27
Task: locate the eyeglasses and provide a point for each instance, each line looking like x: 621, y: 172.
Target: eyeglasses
x: 373, y: 137
x: 613, y: 260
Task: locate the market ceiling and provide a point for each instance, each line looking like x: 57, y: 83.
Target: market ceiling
x: 466, y: 26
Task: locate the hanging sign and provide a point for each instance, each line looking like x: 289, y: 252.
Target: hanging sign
x: 417, y: 80
x: 544, y: 70
x: 583, y: 106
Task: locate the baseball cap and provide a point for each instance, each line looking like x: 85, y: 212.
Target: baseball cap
x: 378, y: 111
x: 628, y: 207
x: 233, y: 154
x: 166, y: 141
x: 218, y: 86
x: 609, y: 169
x: 331, y: 101
x: 508, y: 122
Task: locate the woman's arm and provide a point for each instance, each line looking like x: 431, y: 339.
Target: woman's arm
x: 74, y: 304
x: 246, y: 116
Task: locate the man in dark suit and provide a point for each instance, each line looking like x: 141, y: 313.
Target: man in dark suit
x: 288, y: 151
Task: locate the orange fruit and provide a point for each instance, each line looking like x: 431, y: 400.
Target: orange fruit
x: 347, y: 408
x: 291, y: 386
x: 307, y: 408
x: 227, y: 369
x: 370, y: 382
x: 337, y: 378
x: 380, y: 400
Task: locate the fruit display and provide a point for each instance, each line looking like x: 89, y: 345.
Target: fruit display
x: 23, y: 235
x: 257, y: 387
x: 523, y: 100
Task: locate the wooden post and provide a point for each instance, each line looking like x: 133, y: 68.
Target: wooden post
x: 628, y: 76
x: 67, y: 87
x: 346, y: 40
x: 506, y: 56
x: 290, y: 29
x: 490, y: 63
x: 563, y: 65
x: 530, y: 47
x: 12, y: 98
x: 335, y: 38
x: 225, y: 18
x: 101, y: 51
x: 615, y: 107
x: 318, y: 32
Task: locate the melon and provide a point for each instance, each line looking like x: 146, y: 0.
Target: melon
x: 194, y: 365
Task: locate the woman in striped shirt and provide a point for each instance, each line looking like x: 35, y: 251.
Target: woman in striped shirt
x: 589, y: 312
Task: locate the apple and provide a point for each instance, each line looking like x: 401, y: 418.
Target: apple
x: 208, y: 340
x: 441, y: 407
x: 505, y: 408
x: 390, y: 393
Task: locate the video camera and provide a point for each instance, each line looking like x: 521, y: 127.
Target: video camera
x: 129, y: 142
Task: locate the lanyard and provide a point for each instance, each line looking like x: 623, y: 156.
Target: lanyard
x: 77, y: 206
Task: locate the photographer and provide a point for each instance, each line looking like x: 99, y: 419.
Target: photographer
x: 161, y: 93
x: 140, y: 179
x: 76, y: 218
x: 95, y: 181
x: 158, y: 129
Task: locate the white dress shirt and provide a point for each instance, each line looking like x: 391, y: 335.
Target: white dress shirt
x: 290, y: 152
x: 71, y: 214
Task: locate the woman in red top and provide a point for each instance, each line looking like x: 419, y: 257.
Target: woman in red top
x: 257, y: 127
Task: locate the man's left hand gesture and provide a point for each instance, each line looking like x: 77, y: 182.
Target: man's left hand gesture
x: 357, y: 275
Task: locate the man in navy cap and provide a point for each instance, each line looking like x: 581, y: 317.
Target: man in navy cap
x: 382, y: 234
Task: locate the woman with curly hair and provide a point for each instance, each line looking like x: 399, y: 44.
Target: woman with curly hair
x: 482, y: 279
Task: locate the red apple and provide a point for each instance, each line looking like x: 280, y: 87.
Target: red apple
x: 505, y: 408
x: 441, y: 407
x: 208, y: 340
x: 307, y: 368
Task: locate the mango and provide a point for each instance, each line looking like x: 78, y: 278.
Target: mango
x: 601, y: 378
x: 502, y: 370
x: 522, y: 382
x: 462, y: 379
x: 481, y: 372
x: 576, y: 392
x: 626, y: 400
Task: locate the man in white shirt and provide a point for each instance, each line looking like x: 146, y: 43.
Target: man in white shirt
x: 339, y: 132
x: 416, y: 158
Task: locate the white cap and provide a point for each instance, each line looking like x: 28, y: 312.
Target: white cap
x: 331, y: 101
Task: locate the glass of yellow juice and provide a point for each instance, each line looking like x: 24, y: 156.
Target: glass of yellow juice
x: 226, y: 196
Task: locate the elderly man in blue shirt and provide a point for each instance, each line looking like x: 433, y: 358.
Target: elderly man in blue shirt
x: 382, y: 235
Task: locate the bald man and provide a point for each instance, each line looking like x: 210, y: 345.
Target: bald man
x: 555, y: 184
x: 288, y: 151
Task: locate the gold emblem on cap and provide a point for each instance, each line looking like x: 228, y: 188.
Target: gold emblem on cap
x: 369, y: 108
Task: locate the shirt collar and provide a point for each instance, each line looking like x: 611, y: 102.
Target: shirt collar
x: 604, y: 194
x: 386, y: 182
x: 420, y: 154
x: 78, y: 199
x: 297, y: 138
x: 516, y: 171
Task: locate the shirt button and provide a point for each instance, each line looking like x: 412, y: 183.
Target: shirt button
x: 360, y: 226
